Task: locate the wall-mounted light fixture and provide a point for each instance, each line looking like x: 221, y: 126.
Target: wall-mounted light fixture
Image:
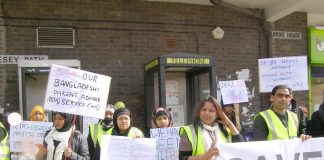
x: 218, y: 33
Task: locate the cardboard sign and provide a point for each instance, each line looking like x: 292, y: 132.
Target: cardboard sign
x: 167, y: 142
x: 77, y: 92
x: 25, y: 136
x: 289, y: 71
x: 120, y: 147
x: 233, y: 91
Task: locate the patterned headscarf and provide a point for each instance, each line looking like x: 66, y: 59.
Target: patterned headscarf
x: 159, y: 111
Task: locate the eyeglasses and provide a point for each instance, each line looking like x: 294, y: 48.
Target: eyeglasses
x: 280, y: 95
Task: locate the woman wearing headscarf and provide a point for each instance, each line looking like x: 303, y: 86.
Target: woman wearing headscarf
x: 122, y: 125
x: 63, y: 141
x: 211, y: 125
x: 37, y: 114
x: 161, y: 118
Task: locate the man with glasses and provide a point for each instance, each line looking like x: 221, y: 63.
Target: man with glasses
x: 277, y: 122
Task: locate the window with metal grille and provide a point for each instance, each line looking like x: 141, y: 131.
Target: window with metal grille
x: 52, y: 37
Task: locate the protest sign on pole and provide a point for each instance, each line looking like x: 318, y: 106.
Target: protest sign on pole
x: 291, y: 149
x: 24, y: 136
x: 167, y: 142
x: 77, y: 92
x: 289, y: 71
x: 120, y: 147
x: 233, y: 91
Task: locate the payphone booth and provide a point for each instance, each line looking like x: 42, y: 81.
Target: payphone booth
x: 178, y: 81
x: 33, y: 76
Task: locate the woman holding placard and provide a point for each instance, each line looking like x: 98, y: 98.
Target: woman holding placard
x: 161, y: 118
x: 63, y: 141
x: 211, y: 125
x: 122, y: 125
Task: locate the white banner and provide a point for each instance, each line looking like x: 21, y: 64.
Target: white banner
x: 233, y: 91
x: 77, y: 92
x: 289, y: 71
x: 292, y: 149
x: 167, y: 142
x: 25, y: 136
x: 122, y: 148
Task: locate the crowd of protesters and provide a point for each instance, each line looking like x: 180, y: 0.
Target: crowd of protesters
x: 213, y: 122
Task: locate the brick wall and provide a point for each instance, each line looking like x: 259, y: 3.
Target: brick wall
x: 296, y: 22
x: 117, y: 37
x: 2, y: 51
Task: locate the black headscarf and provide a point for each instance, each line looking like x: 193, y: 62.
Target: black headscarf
x: 69, y: 121
x: 117, y: 113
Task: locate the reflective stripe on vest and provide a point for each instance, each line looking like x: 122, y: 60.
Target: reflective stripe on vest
x: 196, y: 140
x: 4, y: 146
x: 276, y: 128
x: 132, y: 133
x: 96, y: 132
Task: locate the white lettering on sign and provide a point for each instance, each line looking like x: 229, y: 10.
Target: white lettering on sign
x: 286, y: 35
x: 14, y: 59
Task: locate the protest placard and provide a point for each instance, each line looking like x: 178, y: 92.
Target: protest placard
x: 233, y: 91
x: 24, y: 136
x: 77, y: 92
x: 120, y: 148
x: 291, y: 149
x: 87, y: 121
x: 289, y: 71
x: 167, y: 144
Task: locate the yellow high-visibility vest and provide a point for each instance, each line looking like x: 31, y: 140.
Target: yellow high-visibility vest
x: 277, y: 130
x: 196, y: 139
x: 96, y: 131
x: 4, y: 146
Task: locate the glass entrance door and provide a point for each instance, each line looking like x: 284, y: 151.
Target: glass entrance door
x: 317, y: 86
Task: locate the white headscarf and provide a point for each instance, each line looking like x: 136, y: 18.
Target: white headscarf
x: 208, y: 133
x: 63, y: 137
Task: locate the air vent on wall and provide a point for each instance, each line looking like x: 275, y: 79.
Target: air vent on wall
x: 51, y: 37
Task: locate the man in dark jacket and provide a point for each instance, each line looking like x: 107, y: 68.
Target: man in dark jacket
x: 317, y: 122
x: 301, y: 112
x: 96, y: 130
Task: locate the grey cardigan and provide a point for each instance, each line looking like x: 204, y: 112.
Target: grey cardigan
x: 79, y: 146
